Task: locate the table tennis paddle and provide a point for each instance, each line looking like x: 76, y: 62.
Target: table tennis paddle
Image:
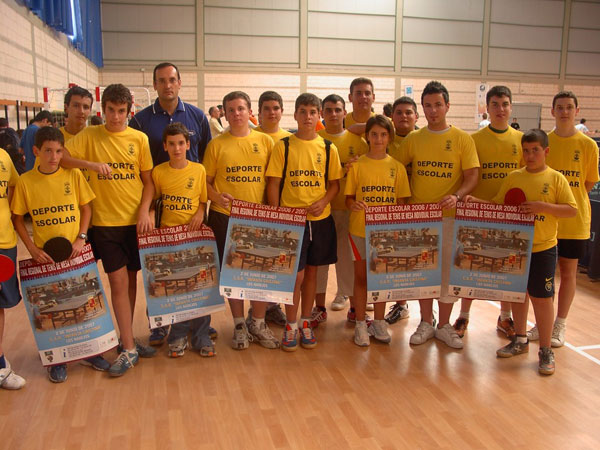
x: 59, y: 248
x: 514, y: 197
x: 7, y: 268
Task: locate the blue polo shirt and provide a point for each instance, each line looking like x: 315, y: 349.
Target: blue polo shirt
x: 153, y: 120
x: 27, y: 142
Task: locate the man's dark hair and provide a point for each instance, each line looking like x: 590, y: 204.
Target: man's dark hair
x: 269, y: 96
x: 565, y: 94
x: 117, y: 94
x: 404, y: 100
x: 435, y: 87
x: 81, y: 92
x: 307, y: 99
x: 96, y: 120
x: 535, y: 135
x: 175, y: 128
x: 162, y: 66
x: 48, y: 134
x: 334, y: 98
x: 498, y: 91
x: 361, y: 80
x: 44, y: 114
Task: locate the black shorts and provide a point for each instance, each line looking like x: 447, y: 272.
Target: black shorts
x: 219, y: 222
x: 541, y: 274
x: 117, y: 247
x: 572, y: 248
x: 10, y: 295
x: 319, y: 246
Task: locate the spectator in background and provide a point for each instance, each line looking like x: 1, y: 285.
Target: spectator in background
x: 387, y: 110
x: 515, y: 124
x: 9, y: 141
x: 485, y: 122
x: 41, y: 119
x: 580, y: 127
x: 216, y: 129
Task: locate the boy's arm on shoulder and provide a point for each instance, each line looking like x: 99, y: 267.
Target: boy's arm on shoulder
x: 273, y: 185
x: 357, y: 128
x: 145, y: 222
x: 68, y: 162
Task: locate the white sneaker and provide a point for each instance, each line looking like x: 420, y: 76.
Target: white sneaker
x: 241, y: 337
x: 558, y: 335
x: 379, y: 330
x: 370, y: 307
x: 449, y: 336
x: 533, y: 334
x: 423, y: 333
x: 339, y: 302
x: 263, y: 335
x: 361, y: 334
x: 13, y: 382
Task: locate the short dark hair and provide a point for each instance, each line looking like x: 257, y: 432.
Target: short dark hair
x: 498, y: 91
x: 307, y: 99
x: 535, y: 135
x: 234, y: 96
x: 211, y: 109
x: 581, y: 121
x: 48, y: 134
x: 269, y: 96
x: 383, y: 122
x: 79, y: 91
x: 43, y: 114
x: 96, y: 120
x: 334, y: 98
x: 565, y: 94
x: 3, y: 122
x: 387, y: 110
x: 361, y: 80
x: 404, y: 100
x: 435, y: 87
x: 175, y: 128
x: 117, y: 94
x: 162, y: 66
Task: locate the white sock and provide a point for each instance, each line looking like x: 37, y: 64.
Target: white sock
x: 258, y: 322
x: 505, y: 315
x: 237, y: 320
x: 293, y: 325
x: 522, y: 339
x: 561, y: 320
x: 464, y: 315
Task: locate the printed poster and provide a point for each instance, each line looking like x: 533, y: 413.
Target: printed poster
x: 491, y: 252
x: 181, y: 274
x: 404, y: 244
x: 261, y: 252
x: 67, y: 309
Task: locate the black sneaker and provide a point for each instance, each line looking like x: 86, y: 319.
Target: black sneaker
x: 397, y: 312
x: 546, y: 364
x: 513, y: 349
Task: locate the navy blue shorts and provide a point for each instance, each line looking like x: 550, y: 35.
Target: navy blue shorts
x: 541, y: 274
x: 10, y: 295
x: 572, y: 248
x: 319, y: 246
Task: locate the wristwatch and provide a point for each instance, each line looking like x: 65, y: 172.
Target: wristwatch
x: 82, y: 236
x: 458, y: 197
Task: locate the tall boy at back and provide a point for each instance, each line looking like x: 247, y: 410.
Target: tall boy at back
x: 310, y: 170
x: 270, y: 110
x: 123, y: 188
x: 574, y: 155
x: 37, y: 192
x: 181, y: 183
x: 362, y: 96
x: 236, y: 163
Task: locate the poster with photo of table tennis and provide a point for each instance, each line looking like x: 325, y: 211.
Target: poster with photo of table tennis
x: 180, y: 269
x: 491, y: 252
x: 261, y: 252
x: 67, y: 308
x: 404, y: 245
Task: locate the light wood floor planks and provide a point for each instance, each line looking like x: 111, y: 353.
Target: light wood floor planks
x: 337, y: 396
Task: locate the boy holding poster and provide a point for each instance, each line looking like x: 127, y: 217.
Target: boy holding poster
x: 182, y: 186
x: 375, y: 179
x: 304, y: 172
x: 548, y: 196
x: 235, y: 165
x: 58, y: 201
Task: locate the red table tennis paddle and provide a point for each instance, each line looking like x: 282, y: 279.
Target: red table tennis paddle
x: 514, y: 197
x: 7, y: 268
x: 59, y: 248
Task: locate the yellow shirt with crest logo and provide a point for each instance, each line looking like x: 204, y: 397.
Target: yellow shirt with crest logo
x: 8, y: 178
x: 279, y: 134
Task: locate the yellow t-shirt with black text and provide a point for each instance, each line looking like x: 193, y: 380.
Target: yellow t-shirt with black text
x: 128, y: 153
x: 181, y: 190
x: 547, y: 186
x: 279, y: 134
x: 576, y: 157
x: 348, y: 145
x: 53, y: 202
x: 394, y: 152
x: 438, y: 161
x: 499, y: 154
x: 377, y: 182
x: 238, y: 165
x: 8, y: 178
x: 304, y: 182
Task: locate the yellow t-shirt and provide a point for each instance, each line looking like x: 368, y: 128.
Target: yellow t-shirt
x: 547, y: 186
x: 128, y: 153
x: 499, y: 154
x: 68, y: 136
x: 304, y: 182
x: 238, y: 166
x: 394, y: 152
x: 8, y: 177
x: 348, y: 145
x: 53, y: 202
x: 181, y: 190
x: 279, y: 134
x: 349, y: 120
x: 438, y: 161
x: 576, y: 157
x: 376, y: 182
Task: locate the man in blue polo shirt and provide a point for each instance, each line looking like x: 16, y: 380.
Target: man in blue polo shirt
x: 169, y: 108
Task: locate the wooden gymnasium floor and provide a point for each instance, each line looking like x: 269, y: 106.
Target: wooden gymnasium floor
x: 335, y: 396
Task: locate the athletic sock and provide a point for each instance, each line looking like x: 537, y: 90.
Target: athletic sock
x: 293, y: 325
x: 464, y: 315
x: 521, y: 339
x: 560, y: 320
x: 505, y: 315
x: 237, y: 320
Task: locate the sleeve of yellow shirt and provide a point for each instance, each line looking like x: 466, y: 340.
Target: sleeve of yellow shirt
x: 202, y: 184
x: 77, y: 145
x: 275, y: 167
x: 351, y: 180
x: 468, y: 158
x: 564, y: 194
x: 592, y: 164
x: 19, y: 200
x: 335, y: 166
x: 210, y: 159
x: 86, y: 194
x: 156, y: 181
x: 402, y: 184
x: 404, y: 154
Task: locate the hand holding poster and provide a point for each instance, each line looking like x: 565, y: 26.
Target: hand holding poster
x: 67, y: 308
x: 181, y: 274
x: 492, y: 252
x: 261, y: 252
x: 403, y: 251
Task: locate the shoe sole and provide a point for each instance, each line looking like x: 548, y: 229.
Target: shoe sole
x: 289, y: 349
x: 451, y: 346
x: 207, y: 353
x: 420, y: 343
x: 545, y: 371
x: 308, y: 346
x: 240, y: 347
x: 335, y: 307
x: 510, y: 355
x: 175, y: 354
x: 88, y: 364
x: 271, y: 345
x: 555, y: 344
x: 365, y: 344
